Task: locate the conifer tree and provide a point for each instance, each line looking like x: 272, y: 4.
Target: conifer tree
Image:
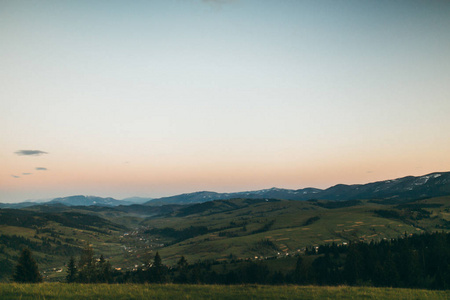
x: 27, y: 269
x: 103, y: 270
x: 157, y: 270
x: 71, y: 271
x: 86, y: 266
x: 182, y: 269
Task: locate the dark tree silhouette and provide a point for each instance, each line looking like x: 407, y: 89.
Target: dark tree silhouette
x: 157, y: 272
x: 182, y: 266
x: 104, y: 270
x: 86, y: 266
x: 27, y: 269
x: 90, y: 270
x: 71, y: 271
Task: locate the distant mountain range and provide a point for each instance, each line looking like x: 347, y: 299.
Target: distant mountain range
x: 79, y: 200
x: 406, y: 188
x: 88, y: 200
x: 204, y: 196
x: 396, y: 190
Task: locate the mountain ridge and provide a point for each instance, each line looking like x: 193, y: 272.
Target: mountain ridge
x: 399, y: 189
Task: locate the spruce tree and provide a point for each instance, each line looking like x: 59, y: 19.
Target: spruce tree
x: 182, y: 269
x: 86, y: 266
x: 103, y: 270
x: 27, y: 269
x: 157, y: 270
x: 71, y: 271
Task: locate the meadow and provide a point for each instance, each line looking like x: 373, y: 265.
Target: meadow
x: 173, y: 291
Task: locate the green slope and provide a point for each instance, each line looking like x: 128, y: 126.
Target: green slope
x: 259, y: 228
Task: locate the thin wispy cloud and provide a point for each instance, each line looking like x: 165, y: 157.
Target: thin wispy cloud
x: 15, y: 176
x: 30, y: 152
x: 27, y: 173
x: 41, y: 169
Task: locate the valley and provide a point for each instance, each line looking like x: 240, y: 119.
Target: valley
x: 221, y: 230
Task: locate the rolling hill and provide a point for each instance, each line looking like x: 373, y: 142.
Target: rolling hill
x: 248, y: 228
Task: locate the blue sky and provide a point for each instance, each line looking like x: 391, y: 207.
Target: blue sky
x: 155, y: 98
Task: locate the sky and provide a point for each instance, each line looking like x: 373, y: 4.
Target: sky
x: 156, y: 98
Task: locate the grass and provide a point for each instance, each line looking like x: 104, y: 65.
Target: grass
x: 172, y: 291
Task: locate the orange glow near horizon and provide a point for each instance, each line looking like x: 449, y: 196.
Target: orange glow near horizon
x: 165, y: 178
x: 156, y: 98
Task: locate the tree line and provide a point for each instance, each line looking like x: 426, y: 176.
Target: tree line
x: 417, y: 261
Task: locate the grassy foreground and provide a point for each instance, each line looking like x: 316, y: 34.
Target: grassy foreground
x: 173, y: 291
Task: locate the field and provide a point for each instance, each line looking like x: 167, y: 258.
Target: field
x: 171, y: 291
